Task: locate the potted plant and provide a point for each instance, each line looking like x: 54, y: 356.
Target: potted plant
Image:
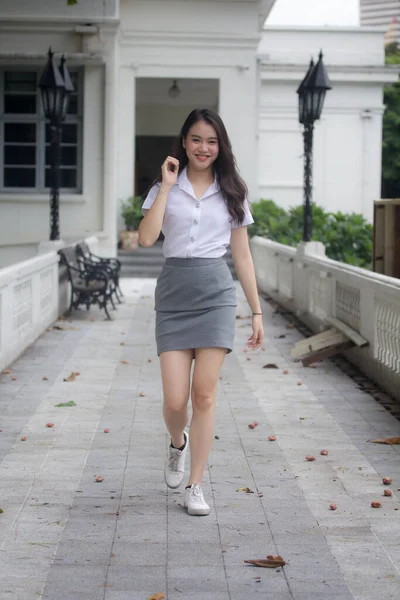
x: 131, y: 212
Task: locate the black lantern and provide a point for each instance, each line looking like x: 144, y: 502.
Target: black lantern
x: 301, y: 93
x: 68, y: 86
x: 311, y: 93
x: 56, y: 88
x: 52, y: 88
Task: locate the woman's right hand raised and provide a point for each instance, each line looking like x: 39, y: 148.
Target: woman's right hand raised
x: 169, y: 177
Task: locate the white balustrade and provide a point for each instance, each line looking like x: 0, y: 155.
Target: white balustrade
x: 315, y: 287
x: 28, y: 303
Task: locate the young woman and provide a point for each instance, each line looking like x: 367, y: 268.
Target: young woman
x: 200, y: 205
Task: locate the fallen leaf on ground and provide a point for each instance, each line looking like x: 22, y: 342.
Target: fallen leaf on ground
x: 59, y: 327
x: 248, y: 358
x: 271, y: 562
x: 1, y: 510
x: 387, y: 492
x: 252, y: 425
x: 70, y: 403
x: 149, y: 360
x: 158, y: 596
x: 14, y: 378
x: 45, y: 378
x: 49, y: 424
x: 270, y: 366
x: 391, y: 440
x: 142, y: 394
x: 299, y: 383
x: 71, y: 377
x: 24, y: 438
x: 6, y: 372
x: 376, y: 504
x: 245, y: 489
x: 272, y: 438
x: 280, y: 337
x: 122, y: 343
x: 324, y: 452
x: 99, y: 478
x: 106, y: 431
x: 290, y: 326
x: 310, y: 458
x: 125, y: 362
x: 387, y: 480
x: 333, y: 506
x: 286, y: 372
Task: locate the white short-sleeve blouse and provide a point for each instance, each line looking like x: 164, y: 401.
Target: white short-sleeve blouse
x: 192, y: 227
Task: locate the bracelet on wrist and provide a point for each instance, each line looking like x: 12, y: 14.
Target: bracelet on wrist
x: 163, y: 191
x: 257, y: 313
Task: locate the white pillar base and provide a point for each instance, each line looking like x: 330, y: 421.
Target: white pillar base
x: 311, y: 248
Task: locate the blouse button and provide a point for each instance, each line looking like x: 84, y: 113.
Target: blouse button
x: 195, y: 221
x: 192, y: 239
x: 197, y: 204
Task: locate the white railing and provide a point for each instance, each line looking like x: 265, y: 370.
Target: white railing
x: 314, y: 288
x: 28, y: 303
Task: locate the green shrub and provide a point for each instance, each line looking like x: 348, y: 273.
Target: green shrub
x: 131, y: 212
x: 347, y: 237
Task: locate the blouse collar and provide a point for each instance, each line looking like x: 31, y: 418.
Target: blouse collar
x: 185, y: 185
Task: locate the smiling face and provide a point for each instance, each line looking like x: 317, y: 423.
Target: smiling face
x: 201, y: 145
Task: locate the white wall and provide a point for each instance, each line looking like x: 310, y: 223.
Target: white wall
x: 347, y: 140
x: 194, y: 40
x: 59, y: 10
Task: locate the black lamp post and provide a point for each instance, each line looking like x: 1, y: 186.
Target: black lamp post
x: 311, y: 93
x: 56, y: 87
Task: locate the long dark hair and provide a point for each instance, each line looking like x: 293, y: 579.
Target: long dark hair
x: 233, y: 188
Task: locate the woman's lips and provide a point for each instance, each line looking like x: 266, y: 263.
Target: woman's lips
x: 201, y: 158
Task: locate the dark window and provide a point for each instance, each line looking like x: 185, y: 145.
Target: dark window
x: 25, y: 156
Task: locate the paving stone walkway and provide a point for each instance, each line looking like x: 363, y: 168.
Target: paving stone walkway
x: 65, y: 536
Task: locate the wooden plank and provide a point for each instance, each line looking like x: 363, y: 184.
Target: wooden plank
x: 327, y: 353
x: 352, y: 335
x: 323, y: 340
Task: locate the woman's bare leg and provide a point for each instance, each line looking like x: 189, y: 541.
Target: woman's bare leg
x: 175, y: 374
x: 208, y: 363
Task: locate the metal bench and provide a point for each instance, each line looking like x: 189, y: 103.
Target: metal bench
x: 90, y: 284
x: 111, y: 265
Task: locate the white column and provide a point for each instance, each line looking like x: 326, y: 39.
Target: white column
x: 126, y: 137
x: 109, y: 243
x: 238, y: 108
x: 371, y: 160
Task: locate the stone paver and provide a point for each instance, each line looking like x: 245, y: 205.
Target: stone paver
x: 64, y: 535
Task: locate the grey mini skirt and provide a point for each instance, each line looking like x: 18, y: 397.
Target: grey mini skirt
x: 195, y: 303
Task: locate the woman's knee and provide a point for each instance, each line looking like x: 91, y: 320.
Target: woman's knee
x: 203, y: 400
x: 175, y: 404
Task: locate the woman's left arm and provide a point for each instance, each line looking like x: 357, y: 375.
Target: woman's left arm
x: 244, y: 266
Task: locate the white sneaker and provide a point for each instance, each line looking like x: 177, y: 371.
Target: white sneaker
x: 194, y: 501
x: 175, y: 466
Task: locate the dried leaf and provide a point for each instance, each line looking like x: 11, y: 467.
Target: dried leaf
x: 387, y: 492
x: 142, y: 394
x: 157, y: 596
x: 271, y: 562
x: 24, y: 438
x: 280, y: 337
x: 106, y: 431
x: 122, y: 343
x: 252, y: 425
x: 391, y: 440
x: 49, y: 424
x: 270, y: 366
x: 6, y: 372
x: 245, y: 489
x: 1, y: 510
x: 71, y: 377
x: 14, y: 378
x: 70, y: 403
x: 376, y: 504
x: 387, y: 480
x: 272, y: 438
x: 324, y: 452
x: 125, y: 362
x: 45, y: 378
x: 290, y: 326
x: 310, y: 458
x: 286, y: 372
x: 333, y: 506
x: 99, y: 478
x: 59, y: 327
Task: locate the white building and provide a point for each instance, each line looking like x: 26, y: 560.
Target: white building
x: 125, y: 55
x: 382, y: 13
